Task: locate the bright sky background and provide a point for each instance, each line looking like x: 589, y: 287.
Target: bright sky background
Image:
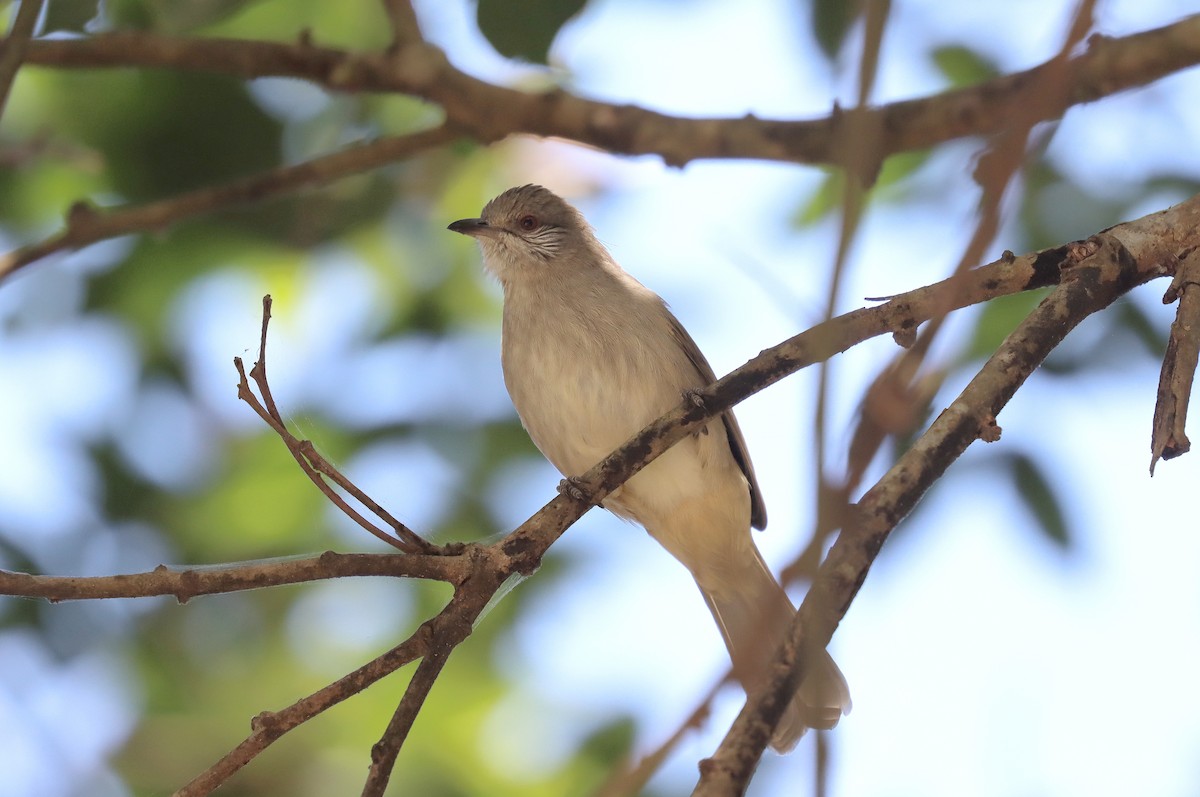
x: 981, y: 661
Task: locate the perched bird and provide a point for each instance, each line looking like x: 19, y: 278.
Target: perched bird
x: 591, y: 356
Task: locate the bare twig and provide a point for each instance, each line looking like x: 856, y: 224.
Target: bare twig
x: 268, y: 727
x: 1168, y: 438
x: 449, y: 630
x: 861, y: 162
x: 12, y: 49
x: 87, y: 225
x: 313, y: 464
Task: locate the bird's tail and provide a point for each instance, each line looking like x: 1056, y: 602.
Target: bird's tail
x: 753, y: 613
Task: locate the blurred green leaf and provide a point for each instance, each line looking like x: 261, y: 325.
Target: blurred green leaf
x: 69, y: 15
x: 1131, y: 318
x: 1039, y: 497
x: 962, y: 66
x: 172, y: 16
x: 823, y: 201
x: 999, y: 317
x: 525, y: 29
x: 832, y: 20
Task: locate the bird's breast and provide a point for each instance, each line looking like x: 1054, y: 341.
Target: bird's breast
x: 584, y: 386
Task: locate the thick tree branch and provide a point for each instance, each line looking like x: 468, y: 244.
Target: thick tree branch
x: 88, y: 225
x: 1095, y: 273
x: 488, y: 112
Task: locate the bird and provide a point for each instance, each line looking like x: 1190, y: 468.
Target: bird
x: 590, y: 357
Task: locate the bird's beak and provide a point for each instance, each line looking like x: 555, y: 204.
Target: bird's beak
x: 475, y: 228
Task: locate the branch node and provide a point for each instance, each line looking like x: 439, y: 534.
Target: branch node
x: 264, y: 722
x: 80, y: 216
x: 989, y: 430
x: 1078, y: 251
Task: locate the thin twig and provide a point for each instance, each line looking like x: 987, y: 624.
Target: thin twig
x: 313, y: 464
x: 185, y: 583
x: 268, y: 727
x: 449, y: 630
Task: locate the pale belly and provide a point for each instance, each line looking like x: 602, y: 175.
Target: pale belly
x: 588, y: 410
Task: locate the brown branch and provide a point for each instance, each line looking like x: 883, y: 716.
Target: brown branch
x: 185, y: 583
x: 405, y: 28
x: 86, y: 225
x: 1168, y: 437
x: 449, y: 630
x: 488, y: 112
x: 268, y: 727
x: 1095, y: 273
x: 13, y: 48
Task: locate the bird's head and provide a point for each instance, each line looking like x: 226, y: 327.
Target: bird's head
x: 525, y: 230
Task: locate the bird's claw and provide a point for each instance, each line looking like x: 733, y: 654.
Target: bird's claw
x: 570, y: 487
x: 692, y: 395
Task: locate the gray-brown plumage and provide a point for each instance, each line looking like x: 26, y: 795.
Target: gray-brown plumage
x: 590, y: 357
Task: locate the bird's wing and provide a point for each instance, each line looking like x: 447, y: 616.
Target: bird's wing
x: 737, y: 443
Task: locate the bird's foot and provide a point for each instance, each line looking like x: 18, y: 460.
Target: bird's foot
x: 570, y: 487
x: 693, y: 396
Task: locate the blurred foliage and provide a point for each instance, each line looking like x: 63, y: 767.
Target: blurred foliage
x: 831, y: 22
x: 201, y: 671
x: 962, y: 66
x: 525, y: 29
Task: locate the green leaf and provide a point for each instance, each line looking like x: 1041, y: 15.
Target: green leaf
x: 1131, y: 319
x: 1038, y: 495
x: 525, y: 29
x: 962, y: 66
x: 823, y: 201
x: 831, y: 21
x: 1000, y: 317
x: 69, y: 15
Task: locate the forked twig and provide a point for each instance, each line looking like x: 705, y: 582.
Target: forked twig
x: 316, y: 467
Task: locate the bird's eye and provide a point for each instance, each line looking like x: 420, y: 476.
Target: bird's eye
x: 528, y: 222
